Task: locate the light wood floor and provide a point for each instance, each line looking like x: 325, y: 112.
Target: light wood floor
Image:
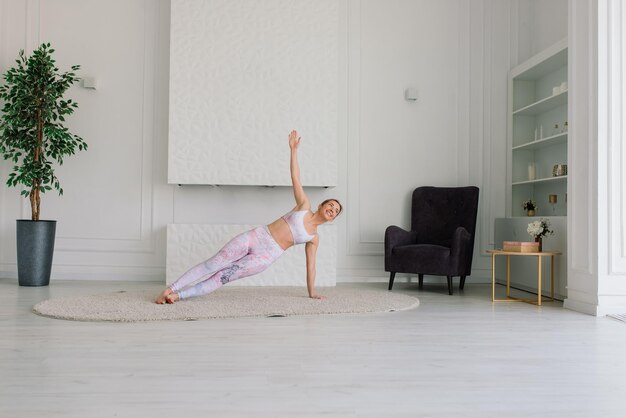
x: 453, y: 356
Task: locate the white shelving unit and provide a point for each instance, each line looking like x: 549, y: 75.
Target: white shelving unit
x: 532, y: 139
x: 537, y: 132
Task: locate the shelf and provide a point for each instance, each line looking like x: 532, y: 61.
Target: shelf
x: 542, y: 143
x: 543, y: 105
x: 544, y: 180
x: 543, y: 63
x: 537, y: 216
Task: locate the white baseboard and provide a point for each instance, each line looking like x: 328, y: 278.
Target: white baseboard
x: 345, y: 276
x: 530, y: 289
x: 99, y: 273
x: 582, y: 307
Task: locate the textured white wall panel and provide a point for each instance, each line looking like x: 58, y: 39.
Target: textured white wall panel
x: 243, y: 73
x: 190, y: 244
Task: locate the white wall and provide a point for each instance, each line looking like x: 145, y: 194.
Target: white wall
x: 597, y: 277
x: 541, y: 23
x: 456, y: 53
x: 611, y: 157
x: 116, y: 202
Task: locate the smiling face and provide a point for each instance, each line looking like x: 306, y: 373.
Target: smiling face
x: 330, y: 209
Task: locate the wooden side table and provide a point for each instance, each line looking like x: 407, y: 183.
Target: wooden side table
x: 508, y: 254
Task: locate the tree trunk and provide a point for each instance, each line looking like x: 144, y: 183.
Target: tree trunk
x: 35, y: 199
x: 34, y: 206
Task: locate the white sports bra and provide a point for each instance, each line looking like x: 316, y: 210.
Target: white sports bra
x: 295, y: 221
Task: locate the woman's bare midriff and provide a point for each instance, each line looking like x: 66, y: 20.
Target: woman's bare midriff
x: 281, y: 233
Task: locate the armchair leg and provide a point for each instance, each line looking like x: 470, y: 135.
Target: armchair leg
x: 462, y: 284
x: 421, y: 280
x: 391, y: 277
x: 449, y: 285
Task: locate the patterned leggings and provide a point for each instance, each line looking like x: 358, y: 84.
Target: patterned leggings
x: 247, y: 254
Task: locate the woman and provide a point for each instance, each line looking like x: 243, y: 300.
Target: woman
x: 253, y: 251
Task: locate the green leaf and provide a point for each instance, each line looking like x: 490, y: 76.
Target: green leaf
x: 35, y: 86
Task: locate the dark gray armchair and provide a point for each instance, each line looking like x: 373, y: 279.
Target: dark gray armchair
x: 441, y: 239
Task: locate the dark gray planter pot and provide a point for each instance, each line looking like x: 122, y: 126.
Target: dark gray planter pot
x: 35, y: 247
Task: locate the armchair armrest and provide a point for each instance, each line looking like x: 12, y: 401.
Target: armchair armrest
x: 460, y: 243
x: 394, y: 236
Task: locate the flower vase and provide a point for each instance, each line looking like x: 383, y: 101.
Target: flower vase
x: 538, y: 239
x: 530, y: 212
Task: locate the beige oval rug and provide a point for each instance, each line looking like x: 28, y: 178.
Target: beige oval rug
x: 133, y: 306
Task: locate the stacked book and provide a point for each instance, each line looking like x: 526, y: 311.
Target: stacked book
x: 520, y: 246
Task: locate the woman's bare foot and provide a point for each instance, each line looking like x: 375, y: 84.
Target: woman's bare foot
x: 172, y: 298
x: 162, y: 297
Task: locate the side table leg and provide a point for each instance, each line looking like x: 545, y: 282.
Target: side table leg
x: 508, y: 276
x: 493, y: 277
x: 552, y: 278
x: 539, y: 281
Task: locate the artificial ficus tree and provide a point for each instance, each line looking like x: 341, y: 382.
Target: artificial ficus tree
x: 32, y: 135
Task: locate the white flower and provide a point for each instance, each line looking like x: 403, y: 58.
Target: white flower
x: 539, y: 228
x: 535, y: 228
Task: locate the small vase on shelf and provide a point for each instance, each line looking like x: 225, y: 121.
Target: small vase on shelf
x: 538, y: 239
x: 530, y: 212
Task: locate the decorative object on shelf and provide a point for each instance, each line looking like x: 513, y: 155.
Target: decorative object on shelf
x: 539, y: 229
x: 564, y: 127
x: 556, y: 90
x: 556, y: 131
x: 520, y: 246
x: 530, y: 207
x: 564, y: 87
x: 552, y: 199
x: 559, y: 170
x: 531, y: 171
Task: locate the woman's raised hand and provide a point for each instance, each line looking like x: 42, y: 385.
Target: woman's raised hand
x: 294, y: 140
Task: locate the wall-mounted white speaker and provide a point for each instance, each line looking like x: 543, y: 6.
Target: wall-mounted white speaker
x: 410, y: 94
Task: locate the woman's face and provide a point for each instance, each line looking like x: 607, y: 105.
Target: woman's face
x: 330, y: 210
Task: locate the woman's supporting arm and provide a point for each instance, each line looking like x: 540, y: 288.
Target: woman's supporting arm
x: 310, y: 249
x: 302, y: 201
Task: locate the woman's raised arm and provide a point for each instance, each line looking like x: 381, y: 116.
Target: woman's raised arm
x: 302, y: 201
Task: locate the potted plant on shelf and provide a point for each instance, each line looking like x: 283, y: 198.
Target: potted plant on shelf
x: 32, y: 137
x: 538, y: 230
x: 530, y: 207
